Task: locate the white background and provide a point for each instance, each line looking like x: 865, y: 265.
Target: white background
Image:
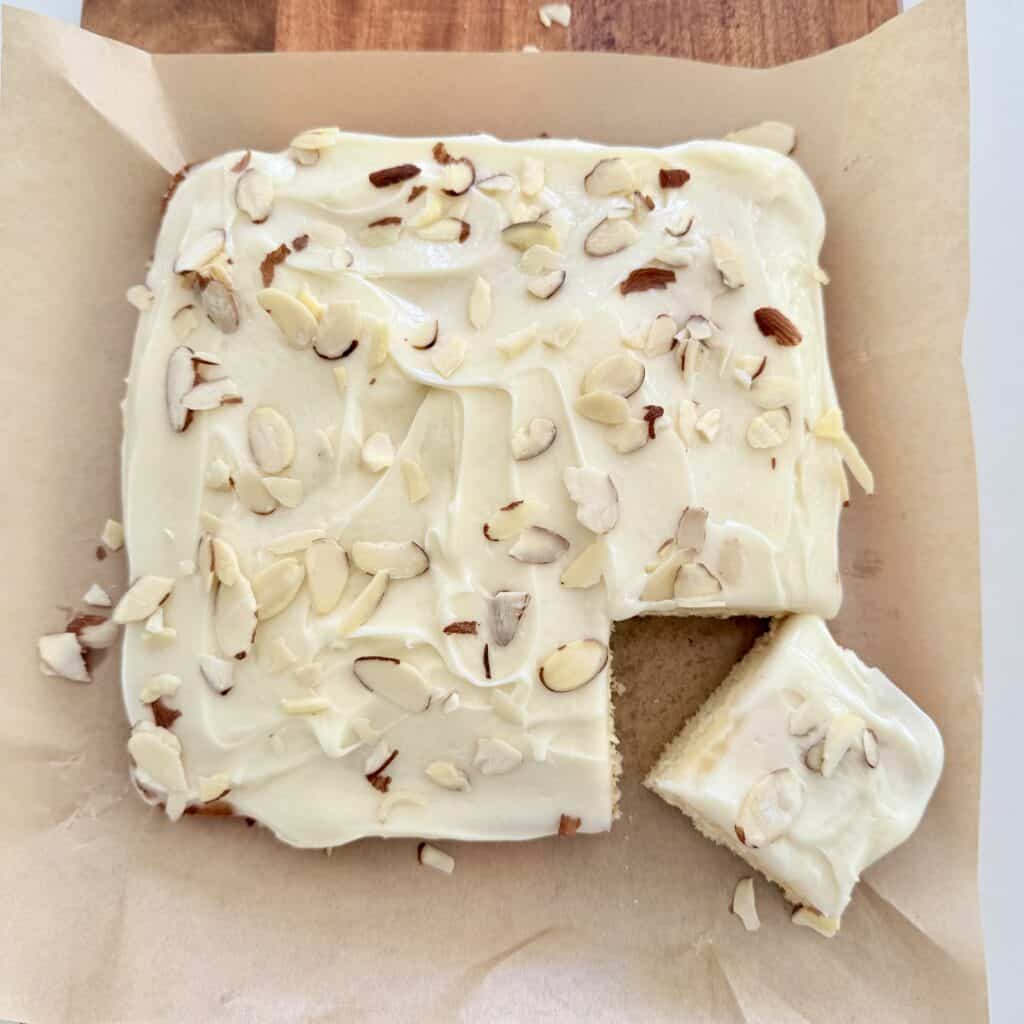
x: 994, y: 358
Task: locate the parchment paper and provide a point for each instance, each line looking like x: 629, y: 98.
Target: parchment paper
x: 112, y: 914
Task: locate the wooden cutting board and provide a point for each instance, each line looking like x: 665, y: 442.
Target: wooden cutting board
x: 755, y: 33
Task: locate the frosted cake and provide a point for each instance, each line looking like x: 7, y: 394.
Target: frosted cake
x: 410, y: 422
x: 807, y: 763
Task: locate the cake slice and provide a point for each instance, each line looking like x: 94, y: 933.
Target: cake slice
x: 806, y: 763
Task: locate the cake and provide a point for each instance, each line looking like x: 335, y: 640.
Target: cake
x: 411, y: 422
x: 806, y: 763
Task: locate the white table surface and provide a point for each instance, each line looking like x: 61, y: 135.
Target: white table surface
x: 994, y: 360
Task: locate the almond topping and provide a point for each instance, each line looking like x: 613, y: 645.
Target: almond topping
x: 507, y: 610
x: 524, y: 234
x: 768, y: 135
x: 378, y: 452
x: 744, y: 905
x: 587, y: 568
x: 385, y: 231
x: 180, y: 379
x: 416, y: 485
x: 293, y: 318
x: 773, y: 324
x: 603, y: 407
x: 337, y: 334
x: 496, y: 757
x: 573, y: 665
x: 673, y: 177
x: 770, y: 808
x: 512, y: 519
x: 62, y: 655
x: 537, y: 545
x: 363, y: 605
x: 143, y: 598
x: 234, y: 618
x: 691, y: 532
x: 647, y: 279
x: 609, y: 177
x: 769, y: 430
x: 276, y: 586
x: 200, y: 252
x: 388, y: 176
x: 254, y: 195
x: 395, y: 681
x: 609, y: 236
x: 727, y: 262
x: 693, y: 580
x: 326, y: 574
x: 533, y: 439
x: 546, y: 285
x: 595, y: 495
x: 220, y: 306
x: 401, y: 560
x: 217, y: 673
x: 271, y: 439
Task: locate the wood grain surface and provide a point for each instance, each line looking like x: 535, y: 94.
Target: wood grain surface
x: 754, y: 33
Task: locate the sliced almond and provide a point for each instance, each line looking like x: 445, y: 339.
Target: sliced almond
x: 680, y: 223
x: 180, y: 379
x: 388, y: 176
x: 692, y: 529
x: 480, y: 304
x: 687, y: 421
x: 727, y: 262
x: 595, y: 495
x: 730, y: 561
x: 447, y: 229
x: 217, y: 673
x: 254, y: 195
x: 587, y: 568
x: 212, y: 394
x: 661, y: 336
x: 630, y: 436
x: 276, y: 586
x: 609, y: 177
x: 494, y: 183
x: 449, y: 356
x: 395, y: 681
x: 458, y: 176
x: 516, y: 344
x: 554, y: 14
x: 708, y: 424
x: 524, y: 234
x: 869, y: 741
x: 234, y: 618
x: 252, y: 492
x: 573, y: 665
x: 424, y: 335
x: 363, y: 605
x: 660, y: 584
x: 645, y: 279
x: 774, y: 324
x: 156, y: 753
x: 285, y: 490
x: 533, y: 438
x: 218, y: 475
x: 830, y: 426
x: 770, y: 429
x: 200, y: 251
x: 293, y: 318
x: 271, y: 439
x: 338, y: 333
x: 326, y: 574
x: 63, y: 655
x: 531, y: 176
x: 844, y: 731
x: 774, y: 392
x: 603, y: 407
x: 769, y: 808
x: 744, y: 905
x: 808, y: 917
x: 814, y: 756
x: 378, y: 452
x: 401, y: 560
x: 609, y: 236
x: 546, y: 285
x: 225, y: 562
x: 289, y: 543
x: 537, y: 545
x: 621, y: 374
x: 184, y: 322
x: 416, y: 485
x: 163, y: 684
x: 316, y: 704
x: 774, y: 135
x: 317, y: 139
x: 386, y: 231
x: 140, y: 297
x: 220, y: 306
x: 513, y: 518
x: 97, y: 597
x: 563, y: 334
x: 447, y: 775
x: 496, y: 757
x: 693, y: 580
x: 507, y: 608
x: 143, y: 598
x: 539, y: 259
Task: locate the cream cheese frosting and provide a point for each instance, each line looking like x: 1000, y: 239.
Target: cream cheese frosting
x: 807, y: 763
x: 388, y: 396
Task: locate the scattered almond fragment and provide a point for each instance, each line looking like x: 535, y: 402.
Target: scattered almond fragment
x: 271, y: 439
x: 630, y: 436
x: 523, y: 235
x: 234, y: 618
x: 661, y: 335
x: 693, y: 580
x: 608, y: 177
x: 573, y: 665
x: 276, y: 586
x: 727, y: 262
x: 97, y: 597
x: 595, y: 495
x: 157, y: 755
x: 449, y: 356
x: 744, y: 905
x: 603, y: 407
x: 447, y: 775
x: 770, y: 429
x: 687, y: 421
x: 545, y: 286
x: 315, y: 704
x: 416, y: 484
x: 363, y: 605
x: 388, y: 176
x: 587, y: 568
x: 217, y: 673
x: 396, y: 681
x: 808, y: 917
x: 254, y: 195
x: 537, y: 545
x: 479, y: 304
x: 316, y: 139
x: 769, y: 808
x: 507, y: 608
x: 220, y: 305
x: 516, y: 344
x: 555, y: 14
x: 621, y: 374
x: 708, y: 424
x: 140, y: 297
x: 568, y: 825
x: 829, y: 426
x: 673, y: 177
x: 401, y: 560
x: 774, y: 135
x: 285, y: 490
x: 62, y: 655
x: 378, y: 452
x: 646, y: 279
x: 252, y: 492
x: 326, y: 574
x: 202, y: 250
x: 844, y: 731
x: 292, y: 317
x: 512, y: 518
x: 432, y: 857
x: 463, y: 627
x: 495, y: 756
x: 143, y: 598
x: 163, y: 684
x: 385, y: 231
x: 774, y: 324
x: 533, y: 438
x: 447, y: 229
x: 609, y: 236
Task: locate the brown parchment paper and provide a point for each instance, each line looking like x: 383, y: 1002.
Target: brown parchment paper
x: 109, y: 913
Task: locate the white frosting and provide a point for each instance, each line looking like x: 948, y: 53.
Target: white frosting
x: 776, y: 706
x: 302, y: 774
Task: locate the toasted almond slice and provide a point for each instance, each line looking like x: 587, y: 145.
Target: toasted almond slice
x: 338, y: 333
x: 212, y: 394
x: 402, y: 560
x: 289, y: 543
x: 630, y: 436
x: 254, y: 195
x: 388, y: 176
x: 396, y: 681
x: 693, y: 580
x: 494, y: 183
x: 516, y: 344
x: 385, y: 231
x: 143, y: 598
x: 363, y: 605
x: 587, y: 568
x: 447, y: 229
x: 660, y: 584
x: 276, y: 586
x: 769, y: 808
x: 573, y: 665
x: 225, y: 562
x: 423, y: 335
x: 447, y: 775
x: 609, y: 177
x: 285, y: 490
x: 513, y: 518
x: 449, y: 356
x: 537, y: 545
x: 157, y: 755
x: 595, y: 495
x: 200, y: 251
x: 770, y: 429
x: 62, y: 655
x: 480, y: 303
x: 180, y: 379
x: 417, y: 486
x: 507, y: 608
x: 546, y: 285
x: 495, y: 756
x: 524, y: 234
x: 293, y: 319
x: 271, y: 439
x: 217, y: 673
x: 378, y: 452
x: 661, y: 336
x: 326, y: 574
x: 609, y: 236
x: 533, y: 438
x: 621, y: 374
x: 458, y: 176
x: 234, y: 618
x: 539, y: 259
x: 727, y: 262
x: 317, y: 138
x: 744, y: 905
x: 774, y: 135
x: 808, y: 917
x: 774, y: 324
x: 220, y: 306
x: 692, y: 529
x: 252, y: 492
x: 844, y: 731
x: 603, y: 407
